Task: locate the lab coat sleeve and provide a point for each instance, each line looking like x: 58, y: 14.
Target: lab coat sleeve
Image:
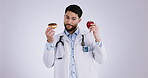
x: 99, y: 52
x: 48, y: 55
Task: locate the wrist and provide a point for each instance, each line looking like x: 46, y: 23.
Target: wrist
x: 49, y: 41
x: 97, y: 39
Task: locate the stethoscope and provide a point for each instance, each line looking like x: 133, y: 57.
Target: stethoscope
x: 60, y: 41
x: 84, y: 48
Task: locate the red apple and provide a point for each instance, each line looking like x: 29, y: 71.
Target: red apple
x: 89, y: 23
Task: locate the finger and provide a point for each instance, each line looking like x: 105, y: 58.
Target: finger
x: 49, y: 30
x: 51, y: 33
x: 90, y: 29
x: 93, y: 27
x: 93, y: 24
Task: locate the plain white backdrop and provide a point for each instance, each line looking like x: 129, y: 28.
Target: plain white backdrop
x: 123, y: 28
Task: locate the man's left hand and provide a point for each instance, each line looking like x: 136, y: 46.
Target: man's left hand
x: 93, y: 28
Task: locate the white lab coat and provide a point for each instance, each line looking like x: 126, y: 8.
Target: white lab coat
x: 85, y: 61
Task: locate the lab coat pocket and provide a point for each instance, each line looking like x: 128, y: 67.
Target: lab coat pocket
x: 87, y: 49
x: 60, y: 51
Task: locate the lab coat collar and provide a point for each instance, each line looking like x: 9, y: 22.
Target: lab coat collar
x: 78, y: 38
x: 67, y: 33
x: 78, y: 32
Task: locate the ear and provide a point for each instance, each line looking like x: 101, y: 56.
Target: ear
x: 80, y: 20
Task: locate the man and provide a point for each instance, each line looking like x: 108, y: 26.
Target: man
x: 74, y: 52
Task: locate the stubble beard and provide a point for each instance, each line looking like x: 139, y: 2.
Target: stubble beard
x: 72, y: 29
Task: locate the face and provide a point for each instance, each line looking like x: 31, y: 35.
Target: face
x: 71, y: 21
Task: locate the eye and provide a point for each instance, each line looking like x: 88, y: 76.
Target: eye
x: 73, y: 18
x: 67, y: 17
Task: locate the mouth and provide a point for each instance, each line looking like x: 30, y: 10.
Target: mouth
x: 69, y: 26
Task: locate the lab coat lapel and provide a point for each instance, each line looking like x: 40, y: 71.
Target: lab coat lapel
x: 78, y: 38
x: 65, y: 38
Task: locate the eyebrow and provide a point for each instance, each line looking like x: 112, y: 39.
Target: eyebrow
x: 68, y: 16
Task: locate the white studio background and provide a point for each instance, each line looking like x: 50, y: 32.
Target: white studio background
x: 123, y: 27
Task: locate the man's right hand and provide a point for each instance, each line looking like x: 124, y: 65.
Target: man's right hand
x: 50, y: 34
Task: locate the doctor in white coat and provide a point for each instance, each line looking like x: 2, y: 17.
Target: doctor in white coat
x: 74, y: 52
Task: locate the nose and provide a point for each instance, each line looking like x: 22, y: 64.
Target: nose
x: 69, y: 21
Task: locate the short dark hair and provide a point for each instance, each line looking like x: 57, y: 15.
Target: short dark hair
x: 74, y: 8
